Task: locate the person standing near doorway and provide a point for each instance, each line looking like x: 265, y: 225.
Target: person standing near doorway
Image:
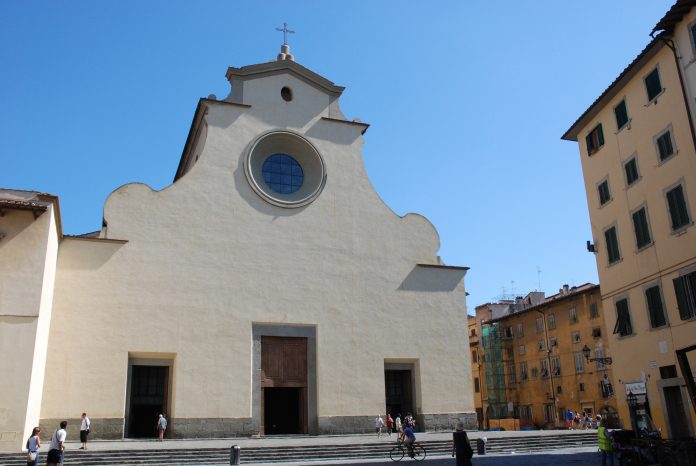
x: 55, y: 451
x: 390, y: 424
x: 84, y: 431
x: 379, y: 424
x: 161, y: 426
x: 397, y: 425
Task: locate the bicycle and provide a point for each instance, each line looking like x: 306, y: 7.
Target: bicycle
x: 399, y: 451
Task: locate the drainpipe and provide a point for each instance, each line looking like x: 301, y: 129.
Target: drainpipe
x: 670, y: 44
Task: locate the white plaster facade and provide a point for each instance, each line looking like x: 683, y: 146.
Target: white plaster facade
x: 185, y: 274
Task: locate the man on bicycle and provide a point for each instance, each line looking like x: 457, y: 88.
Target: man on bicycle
x: 409, y: 439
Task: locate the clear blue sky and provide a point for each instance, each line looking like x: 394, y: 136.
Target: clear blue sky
x: 467, y: 101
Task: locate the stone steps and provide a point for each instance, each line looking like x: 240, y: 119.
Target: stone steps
x: 220, y: 456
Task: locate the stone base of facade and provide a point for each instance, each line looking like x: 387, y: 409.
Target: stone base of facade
x: 100, y: 428
x: 113, y: 428
x: 211, y: 428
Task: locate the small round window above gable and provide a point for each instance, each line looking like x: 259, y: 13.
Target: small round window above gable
x: 286, y: 94
x: 285, y: 169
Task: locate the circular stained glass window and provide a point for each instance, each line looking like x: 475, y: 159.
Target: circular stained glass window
x: 282, y: 173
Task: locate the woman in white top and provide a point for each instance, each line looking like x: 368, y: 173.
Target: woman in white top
x: 33, y: 445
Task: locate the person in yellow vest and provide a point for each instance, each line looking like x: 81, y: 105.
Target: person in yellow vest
x: 605, y: 443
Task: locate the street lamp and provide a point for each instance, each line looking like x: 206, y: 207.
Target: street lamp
x: 586, y: 353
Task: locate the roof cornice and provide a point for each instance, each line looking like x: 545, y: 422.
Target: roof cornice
x: 281, y: 66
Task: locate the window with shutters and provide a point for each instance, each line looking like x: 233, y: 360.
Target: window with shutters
x: 520, y: 330
x: 631, y: 170
x: 597, y: 332
x: 521, y: 350
x: 603, y: 192
x: 594, y: 311
x: 535, y: 371
x: 575, y: 337
x: 599, y: 354
x: 623, y: 325
x: 579, y: 364
x: 573, y: 315
x: 553, y: 341
x: 556, y: 365
x: 685, y: 289
x: 512, y: 377
x: 665, y: 145
x: 678, y: 209
x: 653, y: 86
x: 544, y: 368
x: 595, y: 139
x: 551, y: 321
x: 613, y: 253
x: 542, y: 345
x: 692, y: 36
x: 523, y: 371
x: 621, y: 114
x: 540, y: 324
x: 656, y: 310
x: 582, y: 387
x: 641, y: 228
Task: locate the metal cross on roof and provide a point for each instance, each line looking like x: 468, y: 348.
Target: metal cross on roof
x: 285, y: 32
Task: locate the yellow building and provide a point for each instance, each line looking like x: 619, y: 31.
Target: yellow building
x: 638, y: 149
x: 531, y: 360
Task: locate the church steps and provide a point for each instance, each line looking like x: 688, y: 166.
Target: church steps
x: 302, y: 453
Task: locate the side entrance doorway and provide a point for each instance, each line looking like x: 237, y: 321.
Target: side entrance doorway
x: 283, y: 385
x: 148, y: 398
x: 398, y: 388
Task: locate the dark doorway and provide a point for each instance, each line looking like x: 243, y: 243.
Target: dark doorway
x: 676, y: 414
x: 283, y: 385
x: 398, y: 392
x: 282, y: 410
x: 148, y: 399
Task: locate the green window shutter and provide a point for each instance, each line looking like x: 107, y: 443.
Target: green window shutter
x: 600, y: 135
x: 682, y: 302
x: 657, y: 314
x: 588, y: 142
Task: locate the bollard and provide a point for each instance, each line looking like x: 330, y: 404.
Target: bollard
x: 234, y: 454
x: 481, y: 446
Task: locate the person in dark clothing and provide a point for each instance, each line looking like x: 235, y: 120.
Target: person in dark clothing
x: 461, y: 446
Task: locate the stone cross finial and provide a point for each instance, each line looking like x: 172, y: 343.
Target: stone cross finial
x: 285, y: 32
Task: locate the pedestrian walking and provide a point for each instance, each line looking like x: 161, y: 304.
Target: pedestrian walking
x: 161, y: 426
x: 55, y: 451
x: 33, y: 445
x: 569, y: 419
x: 605, y: 443
x: 461, y: 446
x: 84, y: 431
x: 390, y: 424
x: 379, y: 424
x: 397, y: 425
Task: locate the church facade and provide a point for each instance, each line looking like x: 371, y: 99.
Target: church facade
x: 267, y: 290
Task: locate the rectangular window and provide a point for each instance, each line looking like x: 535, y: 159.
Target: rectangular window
x: 692, y: 32
x: 594, y: 140
x: 582, y: 387
x: 513, y: 374
x: 507, y: 333
x: 556, y: 365
x: 641, y: 228
x: 653, y: 85
x: 623, y: 318
x: 575, y: 337
x: 535, y: 371
x: 668, y: 372
x: 474, y: 356
x: 599, y: 353
x: 573, y: 315
x: 621, y: 114
x: 631, y: 169
x: 548, y: 413
x: 520, y: 330
x: 540, y: 324
x: 521, y: 350
x: 579, y: 367
x: 685, y: 289
x: 542, y: 345
x: 553, y: 341
x: 613, y: 253
x: 551, y: 321
x: 477, y: 385
x: 603, y: 191
x: 665, y: 148
x: 559, y: 390
x: 544, y: 368
x: 597, y: 332
x: 594, y: 311
x: 606, y: 389
x: 678, y: 211
x: 653, y: 297
x: 523, y: 371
